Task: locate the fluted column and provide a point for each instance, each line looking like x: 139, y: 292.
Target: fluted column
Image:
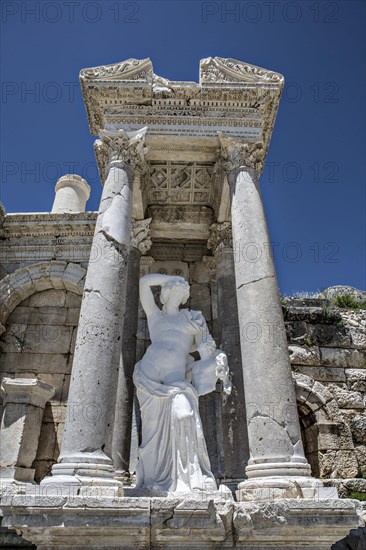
x: 276, y: 452
x: 140, y: 244
x: 86, y: 453
x: 235, y: 437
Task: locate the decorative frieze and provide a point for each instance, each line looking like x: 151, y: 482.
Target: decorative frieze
x: 220, y: 236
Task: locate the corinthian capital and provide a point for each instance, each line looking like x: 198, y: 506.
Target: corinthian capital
x: 220, y: 236
x: 140, y: 237
x: 119, y: 147
x: 237, y: 153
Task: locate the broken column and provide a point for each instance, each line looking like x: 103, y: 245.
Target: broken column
x: 24, y: 403
x: 140, y: 244
x: 72, y: 192
x: 235, y: 437
x: 277, y: 466
x: 86, y: 453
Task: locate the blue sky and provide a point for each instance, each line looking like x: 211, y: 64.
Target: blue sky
x: 314, y: 182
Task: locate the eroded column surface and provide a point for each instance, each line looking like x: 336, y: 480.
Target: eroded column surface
x: 140, y: 244
x: 272, y: 419
x: 235, y: 437
x: 24, y: 403
x: 86, y: 451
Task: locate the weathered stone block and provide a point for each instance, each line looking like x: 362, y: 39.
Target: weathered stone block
x: 302, y: 355
x: 347, y: 399
x: 335, y: 357
x: 330, y: 335
x: 48, y: 338
x: 72, y: 317
x: 322, y: 374
x: 72, y: 299
x: 35, y: 362
x: 356, y: 379
x: 48, y: 298
x: 358, y: 428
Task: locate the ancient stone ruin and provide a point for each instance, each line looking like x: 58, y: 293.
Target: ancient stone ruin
x: 281, y: 414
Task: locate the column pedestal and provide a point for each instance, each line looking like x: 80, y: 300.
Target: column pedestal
x: 24, y: 403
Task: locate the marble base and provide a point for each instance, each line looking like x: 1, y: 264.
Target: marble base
x: 273, y: 488
x: 81, y: 523
x: 88, y: 479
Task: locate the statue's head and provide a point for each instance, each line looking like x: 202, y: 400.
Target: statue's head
x: 176, y: 291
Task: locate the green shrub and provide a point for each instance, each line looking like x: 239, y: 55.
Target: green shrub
x: 348, y: 301
x: 357, y: 495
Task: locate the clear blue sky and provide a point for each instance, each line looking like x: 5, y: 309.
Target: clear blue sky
x: 314, y: 182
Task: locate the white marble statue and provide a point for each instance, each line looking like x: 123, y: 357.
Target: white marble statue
x: 173, y: 455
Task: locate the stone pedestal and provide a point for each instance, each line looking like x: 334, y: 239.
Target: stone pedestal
x: 140, y: 244
x: 62, y: 523
x: 277, y: 462
x: 24, y: 403
x: 235, y: 437
x: 85, y: 461
x: 72, y: 192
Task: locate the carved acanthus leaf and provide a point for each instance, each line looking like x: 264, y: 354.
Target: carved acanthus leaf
x: 118, y: 146
x: 220, y: 236
x: 219, y: 69
x: 140, y: 235
x: 131, y: 69
x: 237, y: 153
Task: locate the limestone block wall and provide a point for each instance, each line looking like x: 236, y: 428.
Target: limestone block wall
x: 38, y: 343
x: 328, y: 355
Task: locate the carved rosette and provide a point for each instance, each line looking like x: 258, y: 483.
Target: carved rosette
x: 235, y: 154
x: 140, y: 235
x: 121, y: 148
x: 220, y: 236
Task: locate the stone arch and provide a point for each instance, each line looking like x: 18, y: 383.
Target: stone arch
x: 24, y: 282
x: 319, y: 421
x: 42, y: 296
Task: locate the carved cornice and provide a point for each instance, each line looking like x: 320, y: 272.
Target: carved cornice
x: 118, y: 146
x: 233, y: 97
x: 220, y: 70
x: 220, y: 236
x: 140, y: 235
x: 237, y: 153
x: 131, y: 69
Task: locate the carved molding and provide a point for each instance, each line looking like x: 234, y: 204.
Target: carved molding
x: 119, y: 147
x: 131, y: 69
x: 219, y: 69
x: 140, y: 235
x: 237, y: 153
x: 220, y: 236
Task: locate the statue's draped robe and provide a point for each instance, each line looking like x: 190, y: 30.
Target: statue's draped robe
x: 173, y: 454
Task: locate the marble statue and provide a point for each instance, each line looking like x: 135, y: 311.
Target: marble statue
x: 173, y: 455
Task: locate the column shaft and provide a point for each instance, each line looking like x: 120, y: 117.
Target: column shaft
x: 273, y: 424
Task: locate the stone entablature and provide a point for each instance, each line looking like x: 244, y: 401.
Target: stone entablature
x: 233, y: 97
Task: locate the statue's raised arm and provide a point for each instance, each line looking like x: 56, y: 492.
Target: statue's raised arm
x: 146, y: 295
